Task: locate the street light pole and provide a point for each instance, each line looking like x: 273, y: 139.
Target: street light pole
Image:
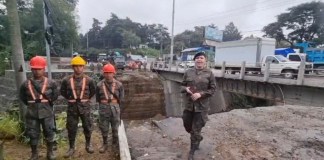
x: 172, y: 36
x: 47, y: 48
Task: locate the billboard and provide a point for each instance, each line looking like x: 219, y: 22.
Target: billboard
x: 213, y: 34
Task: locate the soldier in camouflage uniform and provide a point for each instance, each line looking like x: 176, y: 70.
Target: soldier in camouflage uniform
x: 78, y: 90
x: 38, y: 93
x: 109, y: 93
x: 198, y: 84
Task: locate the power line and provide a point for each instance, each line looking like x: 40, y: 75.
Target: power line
x: 242, y: 9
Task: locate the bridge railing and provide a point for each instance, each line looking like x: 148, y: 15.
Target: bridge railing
x: 244, y: 69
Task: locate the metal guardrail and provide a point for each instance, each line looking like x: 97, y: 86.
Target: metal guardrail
x: 241, y: 71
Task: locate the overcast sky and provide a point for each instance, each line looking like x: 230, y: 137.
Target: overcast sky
x: 248, y: 15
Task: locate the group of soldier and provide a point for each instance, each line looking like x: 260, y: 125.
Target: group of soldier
x: 39, y: 92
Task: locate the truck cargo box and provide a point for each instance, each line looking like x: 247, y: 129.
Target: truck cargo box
x: 250, y: 50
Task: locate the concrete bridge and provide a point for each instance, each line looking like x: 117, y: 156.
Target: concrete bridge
x: 307, y: 89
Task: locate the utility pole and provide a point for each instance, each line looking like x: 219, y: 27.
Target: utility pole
x: 88, y: 41
x: 172, y: 36
x: 47, y: 48
x: 17, y: 54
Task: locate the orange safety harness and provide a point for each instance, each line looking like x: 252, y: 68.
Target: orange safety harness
x: 76, y: 98
x: 109, y: 97
x: 41, y: 98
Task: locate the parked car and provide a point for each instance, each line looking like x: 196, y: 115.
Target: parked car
x: 120, y: 62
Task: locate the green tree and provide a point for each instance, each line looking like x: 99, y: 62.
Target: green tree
x: 130, y: 39
x: 189, y: 39
x: 231, y: 33
x: 303, y: 22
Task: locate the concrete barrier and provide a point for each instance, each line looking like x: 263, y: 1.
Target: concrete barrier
x: 123, y: 144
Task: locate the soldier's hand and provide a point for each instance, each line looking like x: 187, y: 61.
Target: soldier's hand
x: 195, y: 96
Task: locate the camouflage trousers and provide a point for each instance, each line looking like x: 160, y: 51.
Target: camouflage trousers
x: 193, y: 122
x: 109, y: 115
x: 33, y: 129
x: 73, y: 115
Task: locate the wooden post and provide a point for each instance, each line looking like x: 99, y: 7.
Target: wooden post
x: 301, y: 72
x: 223, y: 69
x: 266, y: 72
x: 242, y: 73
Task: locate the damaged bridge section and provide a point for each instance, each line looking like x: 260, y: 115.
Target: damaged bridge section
x: 255, y: 89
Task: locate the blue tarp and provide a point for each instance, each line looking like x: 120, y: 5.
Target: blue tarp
x: 284, y: 51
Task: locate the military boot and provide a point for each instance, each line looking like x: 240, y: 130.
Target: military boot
x: 34, y: 155
x: 71, y: 151
x: 104, y: 146
x: 201, y: 138
x: 193, y: 148
x: 50, y: 152
x: 88, y: 146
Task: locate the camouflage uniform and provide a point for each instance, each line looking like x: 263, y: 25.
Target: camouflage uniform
x: 78, y: 106
x: 109, y: 107
x: 39, y: 111
x: 195, y: 114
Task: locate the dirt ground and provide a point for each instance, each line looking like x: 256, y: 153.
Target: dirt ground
x: 15, y: 150
x: 263, y: 133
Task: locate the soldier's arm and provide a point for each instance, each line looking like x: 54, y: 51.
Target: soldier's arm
x: 184, y: 83
x: 211, y: 86
x: 121, y: 92
x: 98, y: 93
x: 55, y: 91
x: 22, y: 94
x: 92, y: 88
x: 63, y: 89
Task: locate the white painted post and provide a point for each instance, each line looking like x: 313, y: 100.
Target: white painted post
x: 123, y: 144
x: 301, y: 73
x: 177, y: 66
x: 242, y: 73
x: 223, y: 69
x: 186, y: 66
x: 266, y: 72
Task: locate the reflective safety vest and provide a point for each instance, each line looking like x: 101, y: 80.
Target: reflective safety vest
x: 41, y: 98
x: 109, y: 98
x: 76, y: 98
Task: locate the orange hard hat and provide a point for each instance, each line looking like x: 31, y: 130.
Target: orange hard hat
x: 108, y: 68
x: 37, y: 62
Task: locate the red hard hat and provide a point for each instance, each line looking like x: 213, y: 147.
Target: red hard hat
x: 37, y: 62
x: 108, y: 68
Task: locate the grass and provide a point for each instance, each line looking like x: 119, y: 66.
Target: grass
x: 10, y: 127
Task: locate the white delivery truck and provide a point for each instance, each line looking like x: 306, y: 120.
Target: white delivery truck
x: 256, y: 52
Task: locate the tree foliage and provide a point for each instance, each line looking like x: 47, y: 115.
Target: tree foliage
x: 189, y: 39
x: 303, y: 22
x: 124, y: 33
x: 61, y: 18
x: 231, y: 33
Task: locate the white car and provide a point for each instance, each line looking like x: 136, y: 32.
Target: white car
x: 189, y: 64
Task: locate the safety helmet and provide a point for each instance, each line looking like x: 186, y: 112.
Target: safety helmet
x: 78, y: 61
x: 37, y: 62
x: 108, y: 68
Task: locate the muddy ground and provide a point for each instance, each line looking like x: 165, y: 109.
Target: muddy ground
x: 15, y: 150
x: 263, y: 133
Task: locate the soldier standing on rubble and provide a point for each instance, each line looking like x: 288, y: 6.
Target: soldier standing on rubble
x: 78, y: 89
x: 199, y: 84
x: 38, y: 93
x: 109, y: 94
